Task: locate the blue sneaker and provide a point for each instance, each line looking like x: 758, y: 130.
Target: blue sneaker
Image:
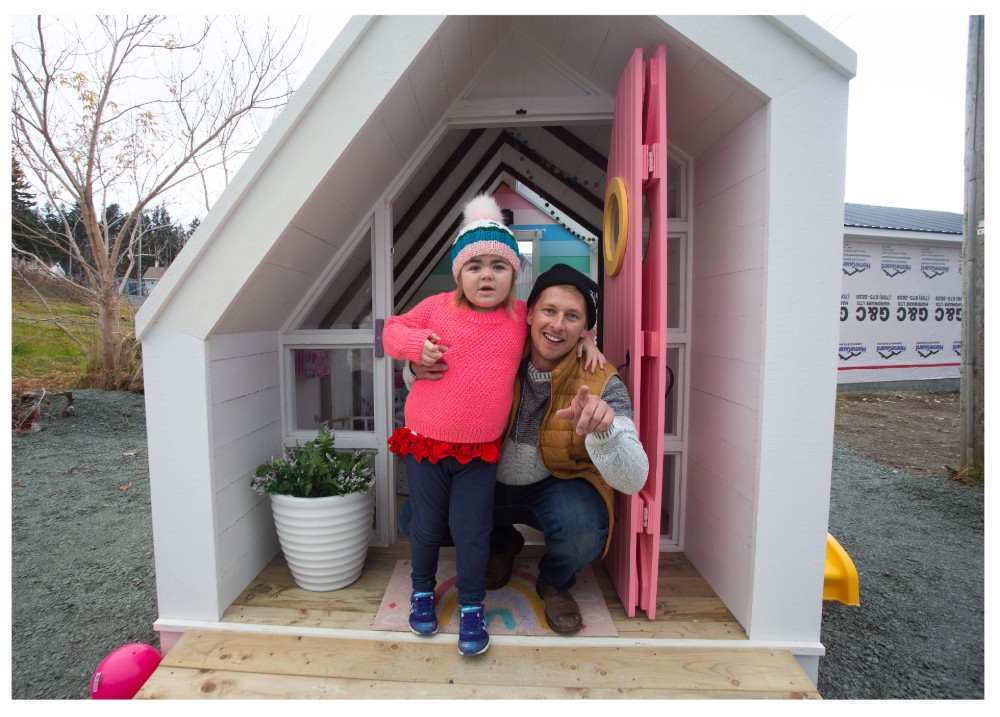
x: 472, y: 636
x: 423, y: 619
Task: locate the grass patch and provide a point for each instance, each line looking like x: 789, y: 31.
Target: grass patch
x: 42, y: 355
x: 972, y: 475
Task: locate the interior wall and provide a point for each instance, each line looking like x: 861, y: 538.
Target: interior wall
x: 728, y: 251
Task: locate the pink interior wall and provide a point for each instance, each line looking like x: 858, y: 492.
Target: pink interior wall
x: 726, y: 353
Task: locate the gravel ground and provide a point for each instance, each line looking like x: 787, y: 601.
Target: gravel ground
x: 81, y: 544
x: 83, y: 580
x: 917, y: 543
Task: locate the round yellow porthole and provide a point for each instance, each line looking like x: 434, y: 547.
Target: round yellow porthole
x: 615, y: 226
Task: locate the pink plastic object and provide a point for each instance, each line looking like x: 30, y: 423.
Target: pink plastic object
x: 123, y: 672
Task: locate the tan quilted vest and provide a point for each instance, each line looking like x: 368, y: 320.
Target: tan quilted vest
x: 563, y: 451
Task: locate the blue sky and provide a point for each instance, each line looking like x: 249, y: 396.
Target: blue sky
x: 906, y: 118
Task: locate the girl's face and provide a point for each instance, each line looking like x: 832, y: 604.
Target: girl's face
x: 486, y: 281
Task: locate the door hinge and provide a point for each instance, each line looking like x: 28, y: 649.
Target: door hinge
x: 379, y: 349
x: 652, y: 155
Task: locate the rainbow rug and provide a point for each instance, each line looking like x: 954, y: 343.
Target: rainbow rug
x: 514, y: 609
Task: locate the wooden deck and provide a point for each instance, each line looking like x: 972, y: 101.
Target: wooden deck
x: 290, y: 643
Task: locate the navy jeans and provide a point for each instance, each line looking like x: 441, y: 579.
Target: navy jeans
x: 456, y: 498
x: 570, y: 514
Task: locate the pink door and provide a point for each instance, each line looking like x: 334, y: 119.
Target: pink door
x: 635, y: 309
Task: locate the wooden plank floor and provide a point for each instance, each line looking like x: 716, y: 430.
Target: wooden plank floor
x: 687, y: 608
x: 254, y: 666
x: 248, y: 664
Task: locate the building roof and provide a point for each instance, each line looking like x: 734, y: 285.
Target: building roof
x: 154, y: 272
x: 914, y: 220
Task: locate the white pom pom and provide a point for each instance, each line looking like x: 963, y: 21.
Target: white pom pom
x: 482, y: 207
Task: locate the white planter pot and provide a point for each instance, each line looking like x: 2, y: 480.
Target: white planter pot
x: 325, y: 540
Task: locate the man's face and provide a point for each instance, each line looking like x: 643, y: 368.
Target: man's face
x: 557, y: 320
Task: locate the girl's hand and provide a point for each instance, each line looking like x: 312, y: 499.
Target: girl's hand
x: 431, y: 352
x: 586, y: 347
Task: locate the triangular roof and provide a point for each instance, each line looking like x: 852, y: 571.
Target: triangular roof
x: 410, y: 111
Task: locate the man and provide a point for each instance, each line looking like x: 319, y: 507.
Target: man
x: 570, y: 443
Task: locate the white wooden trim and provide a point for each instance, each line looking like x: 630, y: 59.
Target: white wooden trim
x: 334, y: 337
x: 807, y: 648
x: 382, y: 305
x: 182, y: 492
x: 807, y: 130
x: 818, y: 41
x: 537, y: 111
x: 688, y: 225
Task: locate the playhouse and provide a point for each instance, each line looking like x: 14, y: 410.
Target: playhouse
x: 268, y: 322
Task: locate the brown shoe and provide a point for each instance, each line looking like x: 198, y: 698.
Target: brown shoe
x: 561, y: 611
x: 501, y: 565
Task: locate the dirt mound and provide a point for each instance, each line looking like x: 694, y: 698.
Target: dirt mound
x: 916, y: 432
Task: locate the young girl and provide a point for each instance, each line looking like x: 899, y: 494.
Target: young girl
x: 451, y: 440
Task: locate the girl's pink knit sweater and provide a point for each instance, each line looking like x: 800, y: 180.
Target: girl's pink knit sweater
x: 471, y: 402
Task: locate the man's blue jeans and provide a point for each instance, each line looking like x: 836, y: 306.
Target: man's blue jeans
x: 570, y: 513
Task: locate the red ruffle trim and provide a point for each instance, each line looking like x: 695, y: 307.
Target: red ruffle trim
x: 405, y: 442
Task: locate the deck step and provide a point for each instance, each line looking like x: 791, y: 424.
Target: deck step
x: 244, y: 665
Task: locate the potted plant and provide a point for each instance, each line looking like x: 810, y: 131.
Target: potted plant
x: 322, y: 503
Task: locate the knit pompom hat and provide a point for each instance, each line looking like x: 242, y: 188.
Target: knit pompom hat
x: 483, y: 232
x: 564, y: 275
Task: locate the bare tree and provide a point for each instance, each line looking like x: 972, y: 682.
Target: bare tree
x: 124, y: 110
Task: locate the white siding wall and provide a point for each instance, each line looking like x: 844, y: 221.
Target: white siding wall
x: 805, y: 209
x: 246, y: 426
x: 179, y: 438
x: 726, y: 333
x: 213, y: 415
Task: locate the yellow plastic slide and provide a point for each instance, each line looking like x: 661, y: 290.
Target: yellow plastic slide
x: 840, y: 580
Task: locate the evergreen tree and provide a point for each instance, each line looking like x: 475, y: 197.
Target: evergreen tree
x: 27, y: 231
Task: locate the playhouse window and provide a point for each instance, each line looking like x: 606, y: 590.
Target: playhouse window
x: 675, y: 189
x: 347, y: 302
x: 334, y: 387
x: 675, y: 286
x: 671, y: 418
x: 669, y: 509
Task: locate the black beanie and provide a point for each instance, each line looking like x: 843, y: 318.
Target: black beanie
x: 563, y: 274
